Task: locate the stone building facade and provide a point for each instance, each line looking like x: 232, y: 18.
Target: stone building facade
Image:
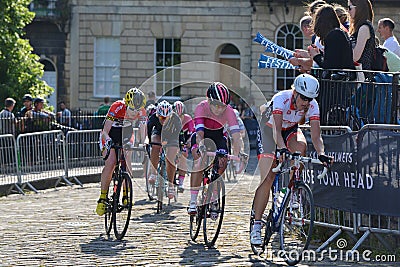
x: 114, y: 45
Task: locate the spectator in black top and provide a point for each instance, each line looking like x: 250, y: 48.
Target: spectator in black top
x: 7, y: 118
x: 27, y: 102
x: 338, y: 53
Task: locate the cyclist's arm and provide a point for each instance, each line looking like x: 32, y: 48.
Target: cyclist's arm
x: 106, y: 129
x: 277, y: 130
x: 316, y: 136
x: 237, y: 143
x: 199, y: 136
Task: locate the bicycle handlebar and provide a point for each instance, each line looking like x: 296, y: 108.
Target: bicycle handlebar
x: 242, y: 158
x: 128, y: 147
x: 299, y: 158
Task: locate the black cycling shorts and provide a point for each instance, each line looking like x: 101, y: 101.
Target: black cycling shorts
x: 218, y: 138
x: 265, y: 140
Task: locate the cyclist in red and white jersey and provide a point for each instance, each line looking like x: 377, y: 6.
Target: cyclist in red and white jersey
x: 117, y: 125
x: 210, y: 116
x: 279, y: 132
x: 184, y: 140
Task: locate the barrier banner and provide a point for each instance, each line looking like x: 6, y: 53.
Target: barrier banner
x: 365, y: 176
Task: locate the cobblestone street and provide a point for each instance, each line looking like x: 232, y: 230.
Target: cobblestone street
x: 58, y: 227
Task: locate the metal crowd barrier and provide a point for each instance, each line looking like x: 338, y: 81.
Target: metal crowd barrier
x: 41, y: 155
x: 8, y: 160
x: 344, y: 101
x: 82, y: 154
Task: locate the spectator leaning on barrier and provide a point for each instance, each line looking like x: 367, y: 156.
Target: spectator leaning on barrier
x: 361, y: 17
x: 27, y: 102
x: 64, y: 115
x: 385, y: 29
x: 7, y: 118
x: 38, y: 119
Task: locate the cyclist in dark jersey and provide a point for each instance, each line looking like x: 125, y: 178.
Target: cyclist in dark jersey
x: 164, y: 127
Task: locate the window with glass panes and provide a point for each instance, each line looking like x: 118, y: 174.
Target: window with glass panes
x: 168, y: 56
x: 290, y: 37
x: 106, y: 71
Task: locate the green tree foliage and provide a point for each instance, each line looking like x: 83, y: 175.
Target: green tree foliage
x: 20, y: 69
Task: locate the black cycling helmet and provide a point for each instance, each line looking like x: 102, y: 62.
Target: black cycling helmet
x: 218, y: 91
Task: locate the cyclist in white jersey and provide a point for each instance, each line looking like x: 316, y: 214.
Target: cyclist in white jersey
x: 279, y: 132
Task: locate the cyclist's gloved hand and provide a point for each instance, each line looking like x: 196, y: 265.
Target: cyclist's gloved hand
x: 282, y: 152
x: 326, y: 160
x: 108, y: 143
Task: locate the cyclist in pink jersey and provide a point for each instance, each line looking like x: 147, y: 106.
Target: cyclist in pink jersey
x: 210, y: 116
x: 279, y: 132
x: 184, y: 140
x: 117, y: 125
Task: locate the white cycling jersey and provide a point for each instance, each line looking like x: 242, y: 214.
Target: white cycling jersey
x: 283, y: 104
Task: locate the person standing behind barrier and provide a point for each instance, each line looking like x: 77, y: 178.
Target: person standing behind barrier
x: 151, y: 99
x: 7, y: 118
x: 27, y: 102
x: 38, y: 119
x: 385, y: 29
x: 279, y: 132
x: 338, y: 53
x: 343, y: 16
x: 103, y: 109
x: 306, y: 27
x: 118, y: 124
x: 363, y: 42
x: 64, y: 115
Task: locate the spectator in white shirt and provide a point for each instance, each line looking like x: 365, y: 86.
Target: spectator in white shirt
x: 385, y: 29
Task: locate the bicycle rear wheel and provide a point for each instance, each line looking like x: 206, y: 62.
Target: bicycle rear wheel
x: 122, y: 206
x: 297, y: 223
x: 214, y: 211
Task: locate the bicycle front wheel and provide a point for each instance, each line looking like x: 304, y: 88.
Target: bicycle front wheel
x: 108, y: 216
x: 297, y: 223
x: 195, y: 220
x: 122, y: 206
x: 214, y: 211
x: 161, y: 187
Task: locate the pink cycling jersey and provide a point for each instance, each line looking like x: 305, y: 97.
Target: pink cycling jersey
x: 187, y: 124
x: 283, y: 104
x: 205, y: 119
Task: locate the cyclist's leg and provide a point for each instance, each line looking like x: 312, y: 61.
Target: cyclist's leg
x: 154, y: 156
x: 172, y: 151
x: 106, y: 176
x: 266, y: 159
x: 296, y: 142
x: 195, y: 177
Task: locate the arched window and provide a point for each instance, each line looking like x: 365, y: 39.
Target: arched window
x: 230, y: 55
x: 290, y: 37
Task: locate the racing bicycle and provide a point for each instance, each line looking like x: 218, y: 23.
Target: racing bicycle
x: 292, y: 212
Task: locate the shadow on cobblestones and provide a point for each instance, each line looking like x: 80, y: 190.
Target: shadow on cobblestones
x: 105, y: 246
x: 198, y: 253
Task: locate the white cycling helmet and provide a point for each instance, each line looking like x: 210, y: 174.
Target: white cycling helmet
x: 307, y: 85
x: 164, y: 109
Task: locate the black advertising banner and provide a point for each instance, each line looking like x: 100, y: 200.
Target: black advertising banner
x: 378, y: 153
x: 365, y: 176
